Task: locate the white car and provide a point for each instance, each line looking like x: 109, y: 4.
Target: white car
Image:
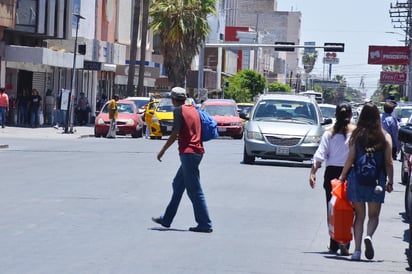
x: 402, y: 114
x: 328, y: 111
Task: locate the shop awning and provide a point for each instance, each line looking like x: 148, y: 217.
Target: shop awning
x: 39, y: 59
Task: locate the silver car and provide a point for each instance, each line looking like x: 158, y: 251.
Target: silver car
x: 283, y: 127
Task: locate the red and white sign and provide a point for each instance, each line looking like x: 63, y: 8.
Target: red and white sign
x: 330, y: 58
x: 393, y: 77
x: 386, y: 55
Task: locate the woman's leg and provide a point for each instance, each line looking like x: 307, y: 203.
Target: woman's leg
x: 360, y: 213
x: 374, y: 210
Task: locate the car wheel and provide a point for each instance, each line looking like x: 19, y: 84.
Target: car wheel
x: 238, y: 136
x: 97, y: 135
x: 247, y: 159
x: 409, y: 252
x: 404, y: 170
x: 138, y: 133
x: 408, y: 200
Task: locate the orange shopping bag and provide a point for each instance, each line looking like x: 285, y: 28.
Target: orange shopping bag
x: 340, y: 213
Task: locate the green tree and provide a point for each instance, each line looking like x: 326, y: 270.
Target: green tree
x: 182, y: 27
x: 279, y: 87
x: 309, y: 60
x: 245, y: 85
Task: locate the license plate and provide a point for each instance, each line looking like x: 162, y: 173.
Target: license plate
x: 221, y: 129
x: 282, y: 151
x: 169, y: 128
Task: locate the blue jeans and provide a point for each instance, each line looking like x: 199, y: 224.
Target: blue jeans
x: 34, y: 118
x: 187, y: 178
x: 22, y: 115
x: 3, y: 116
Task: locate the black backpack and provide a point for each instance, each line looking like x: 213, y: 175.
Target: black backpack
x: 365, y: 168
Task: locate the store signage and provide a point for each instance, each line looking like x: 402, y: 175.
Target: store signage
x: 91, y: 65
x: 393, y: 77
x: 386, y: 55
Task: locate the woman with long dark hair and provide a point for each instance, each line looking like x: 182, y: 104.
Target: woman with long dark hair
x: 333, y: 150
x: 368, y: 137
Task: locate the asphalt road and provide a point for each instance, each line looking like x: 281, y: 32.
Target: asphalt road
x: 83, y: 205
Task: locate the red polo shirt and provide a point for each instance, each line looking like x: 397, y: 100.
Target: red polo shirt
x: 187, y: 122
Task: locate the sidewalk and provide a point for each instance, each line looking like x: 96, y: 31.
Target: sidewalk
x: 44, y: 132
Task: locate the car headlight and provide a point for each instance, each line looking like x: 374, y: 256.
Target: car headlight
x: 100, y: 121
x: 256, y: 135
x: 312, y: 140
x: 130, y: 122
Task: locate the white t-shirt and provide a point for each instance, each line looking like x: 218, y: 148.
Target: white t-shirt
x: 333, y: 150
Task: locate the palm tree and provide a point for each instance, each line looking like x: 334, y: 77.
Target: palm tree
x: 309, y: 60
x: 145, y: 21
x: 182, y: 27
x: 133, y: 48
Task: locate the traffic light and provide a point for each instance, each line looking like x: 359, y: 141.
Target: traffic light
x: 289, y: 48
x: 336, y: 47
x: 81, y: 49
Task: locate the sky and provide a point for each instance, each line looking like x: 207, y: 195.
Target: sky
x: 357, y: 24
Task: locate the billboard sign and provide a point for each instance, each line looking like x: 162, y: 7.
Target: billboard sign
x: 393, y: 77
x: 386, y: 55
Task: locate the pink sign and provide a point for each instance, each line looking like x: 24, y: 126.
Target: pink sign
x: 393, y: 77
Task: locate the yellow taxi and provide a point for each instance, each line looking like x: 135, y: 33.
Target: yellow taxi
x: 159, y: 117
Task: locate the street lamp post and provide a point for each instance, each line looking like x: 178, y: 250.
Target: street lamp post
x: 70, y: 113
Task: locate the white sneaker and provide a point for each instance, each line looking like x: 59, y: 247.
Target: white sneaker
x: 356, y: 255
x: 369, y: 252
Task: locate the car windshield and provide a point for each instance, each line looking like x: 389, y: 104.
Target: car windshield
x: 220, y: 110
x: 286, y: 110
x: 244, y: 109
x: 121, y: 107
x: 405, y: 113
x: 165, y: 105
x: 140, y: 103
x: 328, y: 112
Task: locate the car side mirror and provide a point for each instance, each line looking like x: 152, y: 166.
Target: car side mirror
x: 326, y: 121
x: 243, y: 116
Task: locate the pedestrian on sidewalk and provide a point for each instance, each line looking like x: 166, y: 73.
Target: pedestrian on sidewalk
x: 35, y: 104
x: 4, y: 106
x: 390, y: 125
x: 333, y: 150
x: 113, y: 114
x: 22, y: 107
x: 368, y: 137
x: 187, y: 130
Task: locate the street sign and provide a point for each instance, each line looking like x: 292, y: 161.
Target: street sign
x: 334, y: 47
x: 309, y: 50
x: 289, y: 46
x: 333, y: 61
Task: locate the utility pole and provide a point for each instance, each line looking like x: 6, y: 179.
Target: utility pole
x: 401, y: 15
